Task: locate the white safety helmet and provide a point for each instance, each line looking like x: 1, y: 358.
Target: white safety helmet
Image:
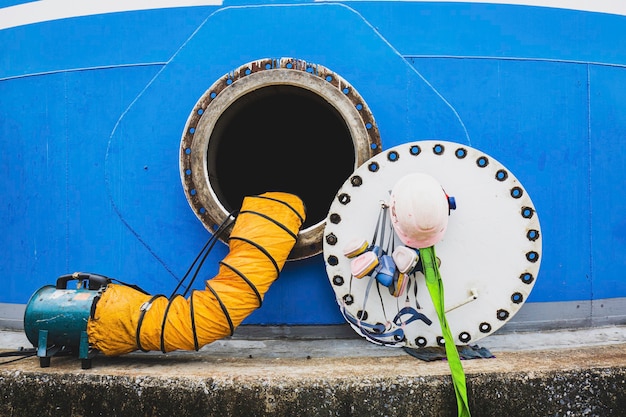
x: 419, y: 210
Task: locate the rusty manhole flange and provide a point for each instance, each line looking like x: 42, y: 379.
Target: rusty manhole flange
x: 201, y: 193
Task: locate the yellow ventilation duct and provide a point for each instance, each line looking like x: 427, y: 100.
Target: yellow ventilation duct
x: 264, y: 234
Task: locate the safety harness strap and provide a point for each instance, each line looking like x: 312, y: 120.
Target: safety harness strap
x: 435, y: 288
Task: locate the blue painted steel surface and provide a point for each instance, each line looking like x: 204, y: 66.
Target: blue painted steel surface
x: 92, y: 111
x: 7, y: 3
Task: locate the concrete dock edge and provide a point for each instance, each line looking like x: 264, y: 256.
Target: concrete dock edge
x: 322, y: 378
x: 595, y: 392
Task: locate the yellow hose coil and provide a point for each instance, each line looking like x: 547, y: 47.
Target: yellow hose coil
x: 264, y: 233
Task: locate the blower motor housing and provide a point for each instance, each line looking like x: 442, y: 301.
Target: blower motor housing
x: 55, y: 319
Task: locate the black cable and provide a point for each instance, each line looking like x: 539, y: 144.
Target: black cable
x: 22, y: 353
x: 201, y: 257
x: 133, y: 286
x: 219, y: 232
x: 204, y: 252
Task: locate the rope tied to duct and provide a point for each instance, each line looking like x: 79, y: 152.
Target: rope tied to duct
x: 264, y: 234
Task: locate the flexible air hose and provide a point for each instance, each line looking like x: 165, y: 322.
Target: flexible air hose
x: 264, y: 233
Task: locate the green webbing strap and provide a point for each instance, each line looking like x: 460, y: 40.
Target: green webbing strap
x: 435, y: 288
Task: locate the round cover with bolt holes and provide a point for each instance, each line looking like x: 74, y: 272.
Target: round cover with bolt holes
x: 489, y: 256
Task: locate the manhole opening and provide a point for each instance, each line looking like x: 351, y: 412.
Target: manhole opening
x: 275, y: 125
x: 280, y: 138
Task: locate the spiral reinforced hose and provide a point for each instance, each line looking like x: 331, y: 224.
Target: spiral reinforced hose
x: 265, y: 231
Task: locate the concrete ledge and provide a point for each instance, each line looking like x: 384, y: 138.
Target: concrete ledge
x: 572, y: 393
x: 226, y: 381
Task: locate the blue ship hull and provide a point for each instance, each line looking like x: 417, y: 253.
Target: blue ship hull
x: 93, y: 108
